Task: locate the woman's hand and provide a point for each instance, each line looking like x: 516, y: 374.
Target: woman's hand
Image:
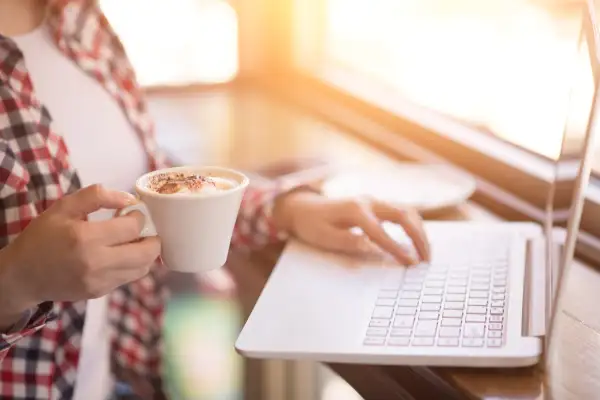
x: 62, y: 256
x: 327, y: 223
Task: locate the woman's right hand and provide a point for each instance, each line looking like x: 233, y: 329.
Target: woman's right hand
x: 61, y: 256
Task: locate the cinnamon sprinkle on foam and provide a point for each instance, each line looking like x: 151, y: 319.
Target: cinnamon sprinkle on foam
x: 171, y: 183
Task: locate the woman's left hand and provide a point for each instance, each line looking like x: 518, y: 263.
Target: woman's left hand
x: 327, y: 223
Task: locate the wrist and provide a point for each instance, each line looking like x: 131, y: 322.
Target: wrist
x: 14, y: 301
x: 286, y: 203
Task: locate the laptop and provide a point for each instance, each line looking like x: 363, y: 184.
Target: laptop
x: 487, y: 298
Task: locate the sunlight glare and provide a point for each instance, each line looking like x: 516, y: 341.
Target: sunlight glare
x: 506, y: 66
x: 177, y: 42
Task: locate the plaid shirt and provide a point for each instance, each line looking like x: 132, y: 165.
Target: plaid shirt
x: 40, y: 362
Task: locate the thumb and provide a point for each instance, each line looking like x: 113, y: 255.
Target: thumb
x: 93, y: 198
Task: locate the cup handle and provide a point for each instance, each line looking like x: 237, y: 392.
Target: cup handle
x: 149, y: 228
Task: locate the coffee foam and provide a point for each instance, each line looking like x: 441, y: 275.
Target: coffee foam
x: 175, y: 183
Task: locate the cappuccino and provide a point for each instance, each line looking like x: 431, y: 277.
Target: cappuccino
x: 188, y: 183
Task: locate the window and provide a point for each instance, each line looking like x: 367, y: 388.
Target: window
x: 504, y: 68
x: 178, y: 42
x: 486, y: 85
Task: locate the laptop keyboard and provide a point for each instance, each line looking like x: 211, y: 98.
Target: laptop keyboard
x: 455, y: 303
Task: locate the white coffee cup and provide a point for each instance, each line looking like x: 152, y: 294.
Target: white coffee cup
x: 195, y: 229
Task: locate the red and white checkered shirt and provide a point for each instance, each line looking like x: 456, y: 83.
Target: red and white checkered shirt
x: 41, y: 361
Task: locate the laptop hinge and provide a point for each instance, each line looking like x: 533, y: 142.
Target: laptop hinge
x: 536, y: 290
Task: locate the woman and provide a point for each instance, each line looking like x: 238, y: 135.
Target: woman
x: 72, y: 116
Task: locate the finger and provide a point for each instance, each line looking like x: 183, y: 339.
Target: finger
x: 123, y: 276
x: 410, y: 221
x: 93, y: 198
x: 135, y: 255
x: 343, y: 240
x: 118, y: 230
x: 371, y: 226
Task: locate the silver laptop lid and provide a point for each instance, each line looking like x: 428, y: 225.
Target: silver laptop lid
x: 574, y: 163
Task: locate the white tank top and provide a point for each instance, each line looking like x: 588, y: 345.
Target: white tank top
x: 104, y: 149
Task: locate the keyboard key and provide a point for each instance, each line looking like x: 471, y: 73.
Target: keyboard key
x: 449, y: 332
x: 423, y: 341
x: 499, y: 289
x: 455, y: 297
x: 416, y: 279
x: 458, y: 282
x: 406, y: 311
x: 435, y: 284
x: 398, y: 341
x: 472, y: 342
x: 456, y: 290
x: 480, y: 286
x: 392, y: 283
x: 416, y: 271
x: 500, y: 283
x: 408, y: 302
x: 385, y: 302
x: 431, y: 299
x: 433, y: 291
x: 377, y: 332
x: 495, y: 334
x: 476, y: 310
x: 430, y: 307
x: 438, y: 268
x: 454, y: 305
x: 478, y: 294
x: 495, y: 326
x: 498, y: 303
x: 497, y: 311
x: 403, y: 322
x: 410, y: 295
x: 448, y: 342
x: 478, y: 302
x: 379, y: 323
x: 475, y: 318
x: 388, y: 294
x: 383, y: 312
x: 497, y: 296
x: 426, y: 328
x: 473, y: 330
x: 412, y: 287
x: 451, y: 322
x: 374, y: 341
x: 436, y: 277
x: 496, y: 318
x: 459, y: 274
x: 401, y: 332
x: 494, y: 342
x: 481, y: 280
x: 428, y: 315
x: 480, y: 273
x: 452, y: 313
x: 460, y: 267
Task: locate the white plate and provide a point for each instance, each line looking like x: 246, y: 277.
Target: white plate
x: 427, y: 188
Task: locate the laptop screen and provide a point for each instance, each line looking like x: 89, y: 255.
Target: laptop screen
x: 574, y: 160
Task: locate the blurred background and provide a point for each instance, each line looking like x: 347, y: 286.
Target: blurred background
x: 484, y: 85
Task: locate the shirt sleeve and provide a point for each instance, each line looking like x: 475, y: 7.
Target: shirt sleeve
x: 255, y: 226
x: 18, y: 207
x: 32, y: 321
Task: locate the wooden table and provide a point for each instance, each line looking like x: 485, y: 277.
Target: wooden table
x: 248, y: 131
